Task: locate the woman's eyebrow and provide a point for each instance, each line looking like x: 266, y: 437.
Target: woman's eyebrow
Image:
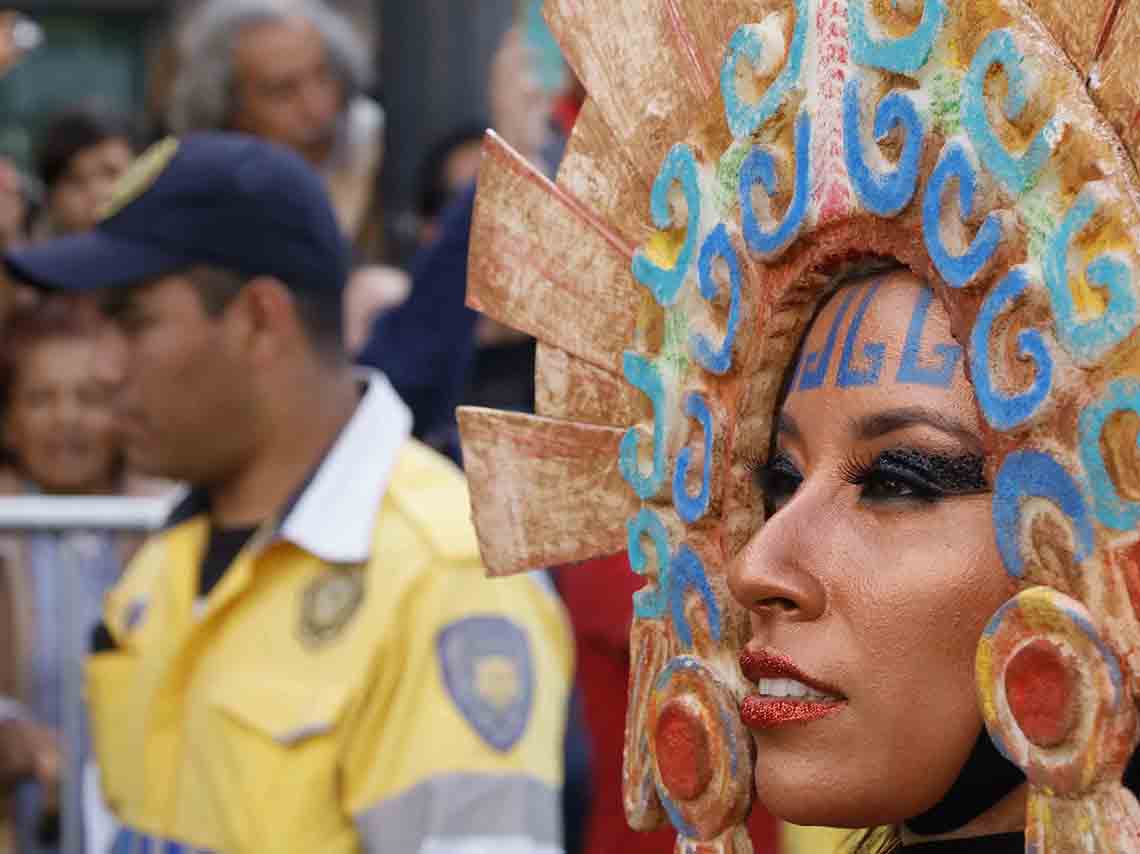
x: 786, y: 426
x: 892, y: 420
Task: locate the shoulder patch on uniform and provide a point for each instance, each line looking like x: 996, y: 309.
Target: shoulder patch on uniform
x: 328, y: 604
x: 489, y: 673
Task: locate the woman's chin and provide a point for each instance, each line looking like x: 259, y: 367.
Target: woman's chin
x: 825, y: 800
x: 813, y: 810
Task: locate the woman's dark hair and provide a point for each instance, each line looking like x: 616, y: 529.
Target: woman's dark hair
x: 73, y: 131
x: 53, y: 318
x: 434, y: 193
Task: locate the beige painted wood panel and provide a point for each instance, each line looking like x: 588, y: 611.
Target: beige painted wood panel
x: 543, y: 492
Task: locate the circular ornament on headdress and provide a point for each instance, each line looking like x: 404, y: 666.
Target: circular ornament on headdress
x: 1053, y: 693
x: 704, y: 789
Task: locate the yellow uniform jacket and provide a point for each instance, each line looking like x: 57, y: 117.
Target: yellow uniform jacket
x: 353, y: 683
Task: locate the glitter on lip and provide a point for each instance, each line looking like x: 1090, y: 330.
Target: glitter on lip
x: 760, y: 712
x: 757, y: 664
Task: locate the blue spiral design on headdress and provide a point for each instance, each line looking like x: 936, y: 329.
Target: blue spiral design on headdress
x: 1089, y: 340
x: 1016, y: 172
x: 643, y: 374
x: 1112, y: 508
x: 718, y: 245
x: 692, y: 507
x: 688, y: 573
x: 652, y: 602
x: 744, y: 118
x: 760, y: 168
x: 1033, y: 474
x: 1006, y: 412
x: 904, y: 55
x: 883, y: 193
x: 957, y: 270
x: 680, y: 167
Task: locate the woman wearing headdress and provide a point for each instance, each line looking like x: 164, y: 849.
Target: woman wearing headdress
x: 872, y: 581
x: 839, y: 312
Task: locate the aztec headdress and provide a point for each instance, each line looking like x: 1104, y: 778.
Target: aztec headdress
x: 730, y: 150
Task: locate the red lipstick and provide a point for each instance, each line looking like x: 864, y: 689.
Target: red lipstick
x: 765, y: 711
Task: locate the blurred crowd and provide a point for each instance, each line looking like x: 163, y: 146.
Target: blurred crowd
x: 300, y: 76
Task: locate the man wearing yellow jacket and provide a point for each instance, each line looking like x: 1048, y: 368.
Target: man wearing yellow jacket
x: 307, y: 658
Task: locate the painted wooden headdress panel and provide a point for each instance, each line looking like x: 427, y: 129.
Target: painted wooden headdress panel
x: 732, y: 154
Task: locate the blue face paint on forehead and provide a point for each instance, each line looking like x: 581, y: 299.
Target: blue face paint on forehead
x: 862, y: 366
x: 913, y: 369
x: 818, y: 364
x: 875, y: 352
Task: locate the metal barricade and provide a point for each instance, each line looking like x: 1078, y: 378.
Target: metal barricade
x: 61, y: 515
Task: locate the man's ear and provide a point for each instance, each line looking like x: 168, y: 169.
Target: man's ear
x: 6, y: 431
x: 272, y: 319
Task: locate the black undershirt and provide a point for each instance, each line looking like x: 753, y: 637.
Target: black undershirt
x: 223, y: 547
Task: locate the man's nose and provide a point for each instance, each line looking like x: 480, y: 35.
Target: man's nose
x: 319, y: 102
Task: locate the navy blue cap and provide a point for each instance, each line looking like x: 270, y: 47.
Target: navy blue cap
x: 219, y: 199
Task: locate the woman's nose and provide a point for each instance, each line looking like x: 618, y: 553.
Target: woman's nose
x: 68, y: 410
x: 775, y: 575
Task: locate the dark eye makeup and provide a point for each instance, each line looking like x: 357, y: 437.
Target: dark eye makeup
x: 892, y: 476
x: 908, y: 473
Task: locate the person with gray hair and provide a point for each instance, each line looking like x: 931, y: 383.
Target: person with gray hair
x: 290, y: 71
x: 295, y: 72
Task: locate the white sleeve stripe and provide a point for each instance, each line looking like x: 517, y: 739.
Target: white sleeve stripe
x: 462, y: 813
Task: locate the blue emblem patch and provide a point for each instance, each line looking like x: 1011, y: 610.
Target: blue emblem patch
x: 489, y: 674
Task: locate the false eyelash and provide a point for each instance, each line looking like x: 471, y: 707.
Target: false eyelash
x: 756, y: 464
x: 856, y: 468
x: 928, y: 475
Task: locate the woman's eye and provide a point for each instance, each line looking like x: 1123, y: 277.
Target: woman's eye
x: 907, y: 474
x: 778, y: 480
x: 881, y: 486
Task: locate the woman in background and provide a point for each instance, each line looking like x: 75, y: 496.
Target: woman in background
x: 59, y: 439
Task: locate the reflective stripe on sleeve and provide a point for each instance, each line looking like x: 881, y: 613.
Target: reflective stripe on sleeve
x: 129, y: 841
x: 466, y: 814
x: 488, y: 845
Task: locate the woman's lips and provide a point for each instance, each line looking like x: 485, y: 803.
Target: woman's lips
x: 761, y: 712
x: 785, y: 694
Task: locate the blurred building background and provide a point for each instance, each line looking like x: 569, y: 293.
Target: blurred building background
x: 432, y: 58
